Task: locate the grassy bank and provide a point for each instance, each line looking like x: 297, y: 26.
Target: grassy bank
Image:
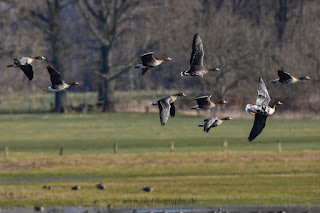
x: 247, y: 174
x: 211, y: 178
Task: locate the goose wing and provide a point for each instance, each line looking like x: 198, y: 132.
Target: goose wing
x: 197, y: 51
x: 172, y: 109
x: 284, y: 76
x: 147, y: 59
x: 144, y: 70
x: 164, y: 110
x: 203, y: 99
x: 263, y: 95
x: 208, y: 123
x: 55, y: 76
x: 28, y: 71
x: 258, y: 125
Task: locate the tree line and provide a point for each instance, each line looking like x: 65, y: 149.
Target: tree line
x: 97, y: 42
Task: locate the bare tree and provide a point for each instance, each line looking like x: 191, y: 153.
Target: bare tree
x: 48, y: 17
x: 108, y: 22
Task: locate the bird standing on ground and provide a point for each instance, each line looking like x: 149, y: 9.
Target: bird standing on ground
x: 166, y: 107
x: 212, y: 122
x: 261, y: 110
x: 204, y: 102
x: 77, y: 187
x: 196, y: 60
x: 148, y: 61
x: 147, y: 189
x: 101, y: 186
x: 57, y: 83
x: 286, y: 78
x: 24, y: 63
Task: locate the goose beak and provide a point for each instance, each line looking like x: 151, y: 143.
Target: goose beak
x: 308, y: 78
x: 10, y: 65
x: 45, y: 89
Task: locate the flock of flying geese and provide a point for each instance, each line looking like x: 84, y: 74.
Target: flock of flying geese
x: 261, y: 109
x: 24, y: 63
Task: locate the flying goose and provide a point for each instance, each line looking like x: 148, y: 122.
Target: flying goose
x: 286, y: 78
x: 212, y: 122
x: 148, y: 61
x: 204, y: 102
x: 196, y: 60
x: 261, y: 110
x: 166, y: 107
x: 57, y: 83
x: 24, y: 63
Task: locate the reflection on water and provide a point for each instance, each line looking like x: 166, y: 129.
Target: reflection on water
x: 231, y: 209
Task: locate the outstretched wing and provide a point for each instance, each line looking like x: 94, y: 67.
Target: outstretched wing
x: 172, y: 110
x: 208, y: 123
x: 147, y: 58
x: 164, y: 110
x: 258, y: 125
x: 28, y: 71
x: 144, y: 70
x: 197, y: 51
x: 284, y: 76
x: 203, y: 99
x: 263, y: 95
x: 55, y: 76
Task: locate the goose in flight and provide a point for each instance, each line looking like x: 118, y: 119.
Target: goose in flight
x: 166, y: 107
x: 148, y: 61
x: 24, y: 63
x: 212, y: 122
x: 57, y: 83
x: 261, y: 110
x: 196, y: 60
x: 286, y: 78
x: 205, y: 103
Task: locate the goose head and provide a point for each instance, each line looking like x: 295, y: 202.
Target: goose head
x: 40, y: 58
x: 167, y: 59
x: 73, y: 83
x: 305, y: 78
x: 222, y: 102
x: 214, y: 69
x: 226, y: 119
x: 277, y: 103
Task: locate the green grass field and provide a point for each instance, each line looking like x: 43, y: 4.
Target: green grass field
x: 247, y: 174
x: 96, y: 133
